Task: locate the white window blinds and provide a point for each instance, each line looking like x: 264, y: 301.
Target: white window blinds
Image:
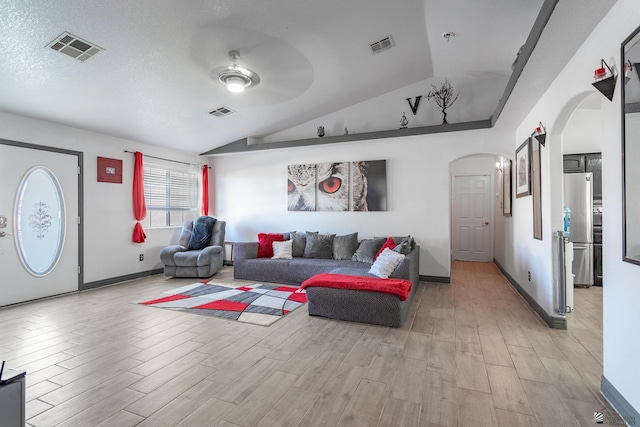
x: 175, y: 192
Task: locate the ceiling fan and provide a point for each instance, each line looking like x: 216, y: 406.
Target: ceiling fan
x: 235, y: 77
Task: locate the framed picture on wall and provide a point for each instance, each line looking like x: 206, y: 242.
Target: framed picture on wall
x: 109, y: 170
x: 506, y: 187
x: 536, y: 184
x: 341, y: 186
x: 523, y: 169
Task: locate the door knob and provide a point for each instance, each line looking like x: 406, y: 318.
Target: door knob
x: 486, y: 223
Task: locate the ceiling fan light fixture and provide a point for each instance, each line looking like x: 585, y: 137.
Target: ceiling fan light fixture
x: 235, y: 87
x: 235, y: 84
x: 236, y: 78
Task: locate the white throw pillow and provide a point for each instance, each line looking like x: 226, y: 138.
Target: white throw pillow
x: 282, y: 250
x: 386, y: 263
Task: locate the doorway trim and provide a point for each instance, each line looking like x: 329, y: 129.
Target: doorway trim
x: 489, y: 215
x: 487, y: 169
x: 80, y: 158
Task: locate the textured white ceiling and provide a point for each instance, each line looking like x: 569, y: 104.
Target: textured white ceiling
x: 152, y: 82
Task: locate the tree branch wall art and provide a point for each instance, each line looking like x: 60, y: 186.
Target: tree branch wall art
x: 444, y: 97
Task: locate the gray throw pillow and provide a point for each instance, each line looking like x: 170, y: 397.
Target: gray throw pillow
x: 368, y: 249
x: 345, y: 246
x: 406, y: 245
x: 319, y: 245
x: 299, y: 242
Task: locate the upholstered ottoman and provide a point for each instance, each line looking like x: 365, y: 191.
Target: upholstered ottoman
x: 368, y: 302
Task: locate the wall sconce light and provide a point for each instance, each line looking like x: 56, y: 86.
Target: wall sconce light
x: 540, y: 134
x: 605, y: 80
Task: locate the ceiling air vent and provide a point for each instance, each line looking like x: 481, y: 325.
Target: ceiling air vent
x: 382, y: 45
x: 74, y: 47
x: 221, y: 111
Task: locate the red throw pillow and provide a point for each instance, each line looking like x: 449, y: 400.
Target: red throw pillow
x: 388, y: 244
x: 265, y: 243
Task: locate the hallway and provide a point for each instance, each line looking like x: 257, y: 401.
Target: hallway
x: 536, y: 375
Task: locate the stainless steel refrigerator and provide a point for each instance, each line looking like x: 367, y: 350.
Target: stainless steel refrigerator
x: 578, y: 196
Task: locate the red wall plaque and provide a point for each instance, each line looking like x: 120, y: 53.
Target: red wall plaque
x: 109, y: 170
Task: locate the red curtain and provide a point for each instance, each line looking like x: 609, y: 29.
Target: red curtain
x: 139, y: 206
x: 205, y: 190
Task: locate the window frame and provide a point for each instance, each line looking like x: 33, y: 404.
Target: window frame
x: 189, y: 203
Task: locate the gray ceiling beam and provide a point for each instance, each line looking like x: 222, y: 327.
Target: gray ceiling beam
x: 525, y: 53
x: 241, y: 145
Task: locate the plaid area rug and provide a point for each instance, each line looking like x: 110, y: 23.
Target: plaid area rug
x: 258, y: 304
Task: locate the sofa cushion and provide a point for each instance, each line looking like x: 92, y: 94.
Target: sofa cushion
x: 293, y: 271
x: 368, y: 249
x: 282, y: 250
x: 345, y: 246
x: 186, y: 259
x: 265, y: 243
x: 299, y: 242
x: 319, y: 245
x: 386, y: 263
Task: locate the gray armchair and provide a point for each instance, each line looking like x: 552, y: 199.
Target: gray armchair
x: 179, y: 261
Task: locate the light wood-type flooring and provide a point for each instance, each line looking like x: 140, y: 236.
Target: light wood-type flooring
x: 471, y: 354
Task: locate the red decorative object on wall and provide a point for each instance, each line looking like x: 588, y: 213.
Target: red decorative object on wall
x: 109, y: 170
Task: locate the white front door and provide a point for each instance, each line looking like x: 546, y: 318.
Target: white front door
x: 472, y: 228
x: 38, y: 223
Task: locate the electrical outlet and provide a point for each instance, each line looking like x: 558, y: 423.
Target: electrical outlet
x: 528, y: 273
x: 141, y: 257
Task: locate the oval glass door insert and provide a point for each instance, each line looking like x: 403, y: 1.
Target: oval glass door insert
x: 40, y: 219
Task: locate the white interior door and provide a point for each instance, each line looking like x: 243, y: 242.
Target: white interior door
x: 472, y: 228
x: 38, y: 224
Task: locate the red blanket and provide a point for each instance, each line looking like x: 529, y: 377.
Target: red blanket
x: 399, y: 287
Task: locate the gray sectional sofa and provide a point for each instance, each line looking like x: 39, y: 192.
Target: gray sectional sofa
x: 342, y: 304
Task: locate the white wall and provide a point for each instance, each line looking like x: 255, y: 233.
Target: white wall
x: 478, y: 96
x: 252, y: 196
x: 476, y: 164
x: 521, y: 253
x: 108, y: 208
x: 583, y: 132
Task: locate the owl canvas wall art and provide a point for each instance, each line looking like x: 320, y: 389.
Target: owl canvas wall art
x: 301, y: 188
x: 341, y: 186
x: 375, y: 177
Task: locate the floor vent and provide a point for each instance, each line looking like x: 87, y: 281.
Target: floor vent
x: 221, y: 112
x: 74, y: 47
x: 382, y: 45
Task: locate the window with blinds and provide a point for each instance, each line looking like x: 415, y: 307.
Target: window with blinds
x: 171, y: 195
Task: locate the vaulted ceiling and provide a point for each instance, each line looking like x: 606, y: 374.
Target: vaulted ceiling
x: 152, y: 82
